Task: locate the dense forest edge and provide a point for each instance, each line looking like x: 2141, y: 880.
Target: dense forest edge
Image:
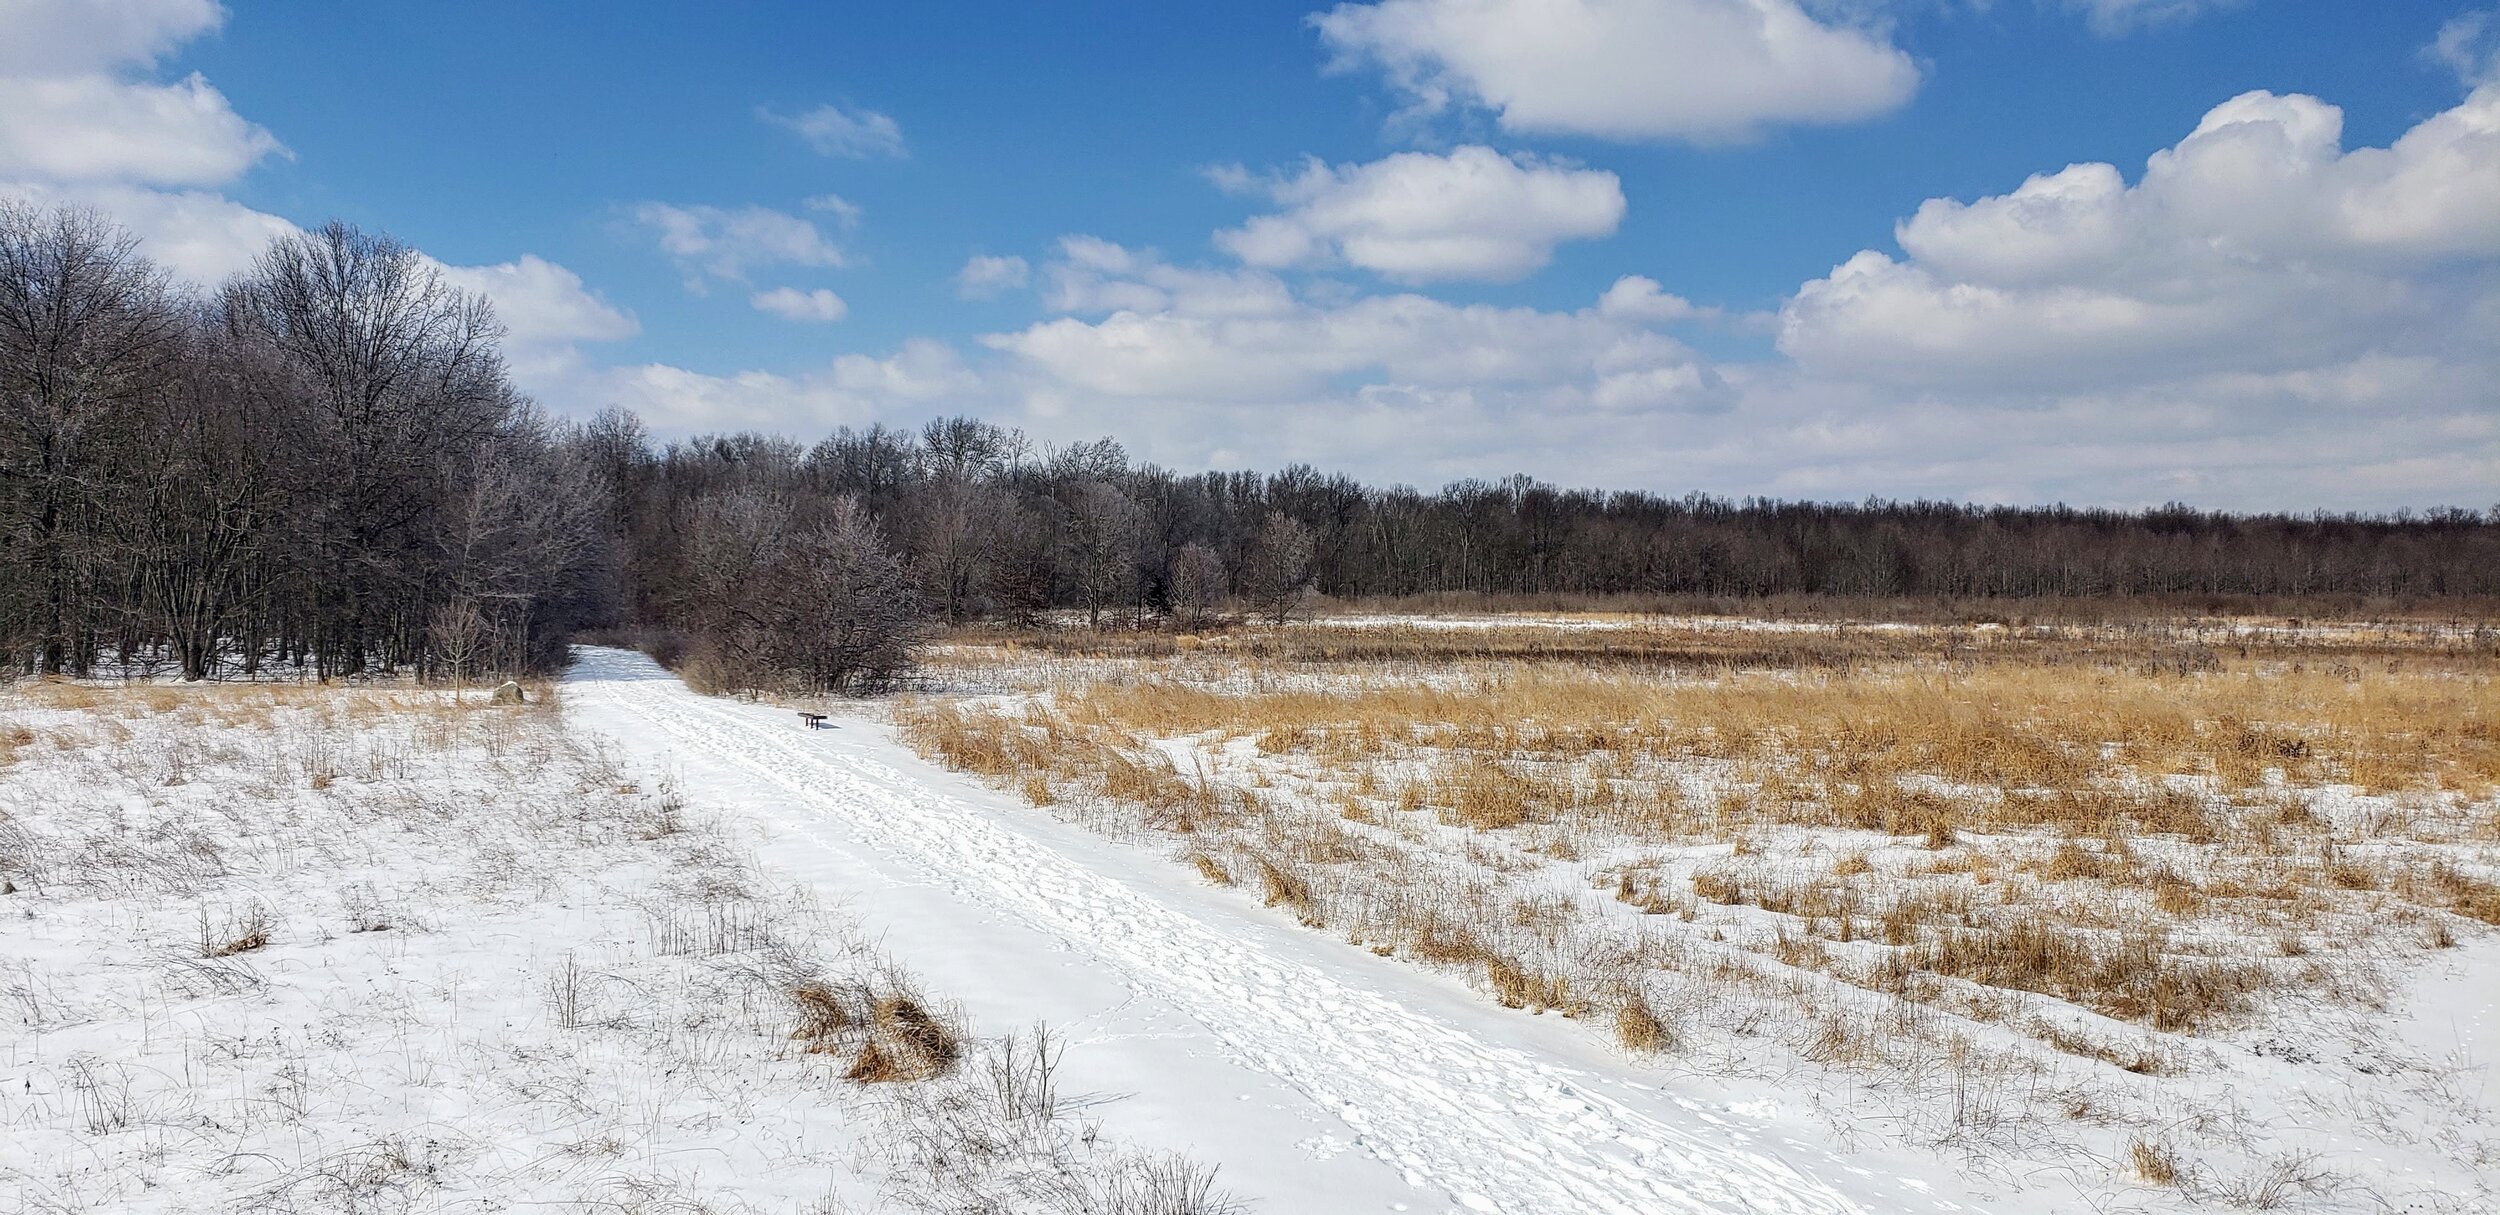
x: 322, y: 467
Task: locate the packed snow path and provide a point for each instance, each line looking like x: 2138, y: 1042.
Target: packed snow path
x: 1492, y: 1126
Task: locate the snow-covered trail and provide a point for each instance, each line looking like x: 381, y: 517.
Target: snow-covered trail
x: 1462, y: 1116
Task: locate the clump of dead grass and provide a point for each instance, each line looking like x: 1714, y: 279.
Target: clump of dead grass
x: 2153, y: 1160
x: 1639, y: 1027
x: 236, y: 933
x: 904, y: 1042
x: 2132, y: 977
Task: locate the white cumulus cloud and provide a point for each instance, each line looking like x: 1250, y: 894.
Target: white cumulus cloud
x: 2262, y: 319
x: 75, y: 106
x: 1416, y: 217
x: 791, y: 304
x: 1639, y: 297
x: 80, y: 126
x: 922, y: 377
x: 2255, y: 244
x: 96, y: 128
x: 2469, y: 45
x: 727, y: 242
x: 1703, y: 70
x: 547, y: 313
x: 985, y: 276
x: 59, y: 37
x: 200, y: 236
x: 843, y: 131
x: 1182, y: 334
x: 2110, y: 18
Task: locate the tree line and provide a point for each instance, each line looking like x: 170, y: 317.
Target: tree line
x: 322, y: 465
x: 990, y: 526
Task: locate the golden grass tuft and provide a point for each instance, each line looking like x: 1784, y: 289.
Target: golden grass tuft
x: 2444, y: 885
x: 894, y: 1037
x: 2153, y: 1161
x: 1640, y: 1029
x: 246, y: 943
x: 1489, y: 795
x: 826, y: 1015
x: 2069, y: 863
x: 1281, y: 887
x: 1516, y: 985
x: 905, y: 1042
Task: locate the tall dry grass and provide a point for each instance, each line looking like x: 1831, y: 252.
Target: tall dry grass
x: 2012, y: 727
x: 2126, y: 820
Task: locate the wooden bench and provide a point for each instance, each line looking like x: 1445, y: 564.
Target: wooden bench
x: 814, y: 721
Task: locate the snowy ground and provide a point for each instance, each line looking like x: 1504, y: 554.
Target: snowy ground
x: 1319, y: 1077
x: 395, y: 950
x: 2360, y: 1080
x: 515, y: 959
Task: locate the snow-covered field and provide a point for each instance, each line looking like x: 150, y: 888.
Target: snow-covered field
x: 2104, y: 979
x: 375, y: 950
x: 1317, y: 1077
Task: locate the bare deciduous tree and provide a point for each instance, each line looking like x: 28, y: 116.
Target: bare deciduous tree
x: 458, y: 633
x: 1278, y: 575
x: 304, y: 467
x: 407, y: 384
x: 88, y: 330
x: 842, y: 611
x: 1101, y: 539
x: 1197, y: 585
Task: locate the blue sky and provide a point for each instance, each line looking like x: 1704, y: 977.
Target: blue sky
x: 1377, y: 236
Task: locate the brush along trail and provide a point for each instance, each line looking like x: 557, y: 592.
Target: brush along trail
x: 1468, y: 1109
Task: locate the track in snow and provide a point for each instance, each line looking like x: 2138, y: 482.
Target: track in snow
x: 1491, y: 1126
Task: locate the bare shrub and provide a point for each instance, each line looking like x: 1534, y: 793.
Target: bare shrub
x: 800, y: 598
x: 2274, y: 1184
x: 101, y: 1094
x: 569, y: 993
x: 1198, y: 585
x: 365, y: 910
x: 1277, y: 577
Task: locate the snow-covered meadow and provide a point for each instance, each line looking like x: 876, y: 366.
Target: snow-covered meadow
x: 389, y: 949
x: 2101, y: 917
x: 1829, y: 920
